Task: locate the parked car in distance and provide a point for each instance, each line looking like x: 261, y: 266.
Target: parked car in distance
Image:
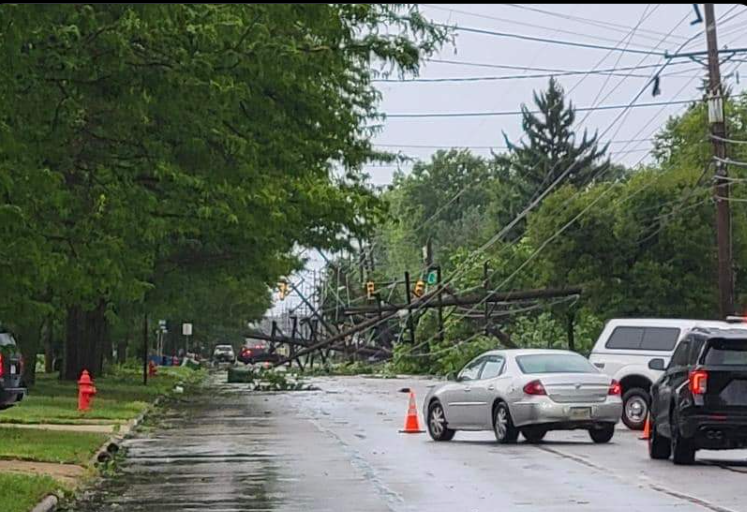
x: 700, y: 402
x: 527, y: 391
x: 224, y: 354
x: 626, y: 346
x: 12, y: 390
x: 257, y: 353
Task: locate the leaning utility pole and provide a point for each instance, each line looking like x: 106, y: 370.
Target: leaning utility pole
x: 721, y: 185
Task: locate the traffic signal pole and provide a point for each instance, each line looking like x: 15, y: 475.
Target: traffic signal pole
x: 717, y: 122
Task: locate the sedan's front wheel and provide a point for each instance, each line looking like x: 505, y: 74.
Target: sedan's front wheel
x: 503, y: 425
x: 437, y: 424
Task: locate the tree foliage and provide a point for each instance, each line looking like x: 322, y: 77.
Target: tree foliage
x: 153, y: 149
x: 553, y: 151
x: 643, y: 246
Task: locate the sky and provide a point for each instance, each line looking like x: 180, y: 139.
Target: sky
x: 645, y: 31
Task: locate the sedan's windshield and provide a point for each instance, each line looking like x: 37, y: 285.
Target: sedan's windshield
x: 554, y: 363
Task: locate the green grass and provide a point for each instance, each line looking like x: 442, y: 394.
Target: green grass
x: 120, y: 397
x: 19, y: 493
x: 49, y: 446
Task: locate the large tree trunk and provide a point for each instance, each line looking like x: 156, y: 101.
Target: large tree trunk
x: 29, y: 343
x: 122, y: 349
x: 49, y: 348
x: 84, y: 342
x: 108, y: 347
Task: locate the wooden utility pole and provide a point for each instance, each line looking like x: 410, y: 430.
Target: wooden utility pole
x: 717, y: 121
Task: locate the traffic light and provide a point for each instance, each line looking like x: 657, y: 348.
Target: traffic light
x: 370, y: 289
x: 419, y: 288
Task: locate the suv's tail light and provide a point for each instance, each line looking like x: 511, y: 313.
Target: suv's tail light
x: 535, y: 388
x: 698, y: 382
x: 615, y: 389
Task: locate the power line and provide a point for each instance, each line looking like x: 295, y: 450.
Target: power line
x: 549, y: 70
x: 458, y: 146
x: 519, y: 112
x: 541, y: 196
x: 523, y: 214
x: 516, y: 22
x: 514, y: 77
x: 730, y: 141
x: 559, y: 42
x: 605, y: 24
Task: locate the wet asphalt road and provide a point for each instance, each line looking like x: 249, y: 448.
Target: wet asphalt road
x: 339, y: 449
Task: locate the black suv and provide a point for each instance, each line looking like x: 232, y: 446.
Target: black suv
x: 701, y: 400
x: 11, y: 371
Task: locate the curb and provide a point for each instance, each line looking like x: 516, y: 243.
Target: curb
x: 48, y: 504
x: 111, y: 445
x: 104, y: 453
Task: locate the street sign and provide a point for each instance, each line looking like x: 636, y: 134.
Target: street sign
x: 187, y: 329
x: 432, y: 277
x: 162, y: 326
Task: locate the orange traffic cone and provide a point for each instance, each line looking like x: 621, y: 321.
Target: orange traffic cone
x: 646, y: 430
x: 412, y: 424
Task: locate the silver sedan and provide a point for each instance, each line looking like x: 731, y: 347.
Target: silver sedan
x: 525, y: 391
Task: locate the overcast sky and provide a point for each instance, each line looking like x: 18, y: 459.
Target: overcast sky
x: 654, y: 28
x: 608, y: 26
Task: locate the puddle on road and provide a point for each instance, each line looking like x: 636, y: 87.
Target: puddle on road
x: 186, y: 462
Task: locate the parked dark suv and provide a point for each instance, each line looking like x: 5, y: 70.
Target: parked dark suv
x: 11, y: 371
x: 701, y: 400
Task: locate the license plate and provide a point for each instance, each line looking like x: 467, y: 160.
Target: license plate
x: 580, y: 413
x: 13, y: 369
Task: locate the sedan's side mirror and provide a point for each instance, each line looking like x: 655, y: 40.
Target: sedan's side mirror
x: 657, y: 364
x: 451, y: 376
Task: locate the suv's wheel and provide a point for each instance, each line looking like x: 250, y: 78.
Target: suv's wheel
x: 534, y: 434
x: 659, y: 447
x: 503, y: 425
x: 602, y: 433
x: 683, y: 452
x: 635, y: 408
x: 437, y: 423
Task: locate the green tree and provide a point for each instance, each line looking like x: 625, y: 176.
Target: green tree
x: 147, y: 145
x: 552, y: 150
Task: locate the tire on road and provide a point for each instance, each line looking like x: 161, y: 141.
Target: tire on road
x: 659, y: 447
x: 503, y: 426
x: 437, y: 426
x: 602, y: 433
x: 534, y: 434
x: 636, y: 404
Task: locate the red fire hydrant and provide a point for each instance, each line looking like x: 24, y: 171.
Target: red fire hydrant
x: 152, y: 369
x: 86, y: 390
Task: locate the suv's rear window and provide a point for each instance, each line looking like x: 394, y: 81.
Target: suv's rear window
x: 726, y: 353
x: 6, y: 339
x: 643, y: 338
x: 555, y: 363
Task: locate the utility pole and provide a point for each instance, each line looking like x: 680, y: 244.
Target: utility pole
x: 721, y: 186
